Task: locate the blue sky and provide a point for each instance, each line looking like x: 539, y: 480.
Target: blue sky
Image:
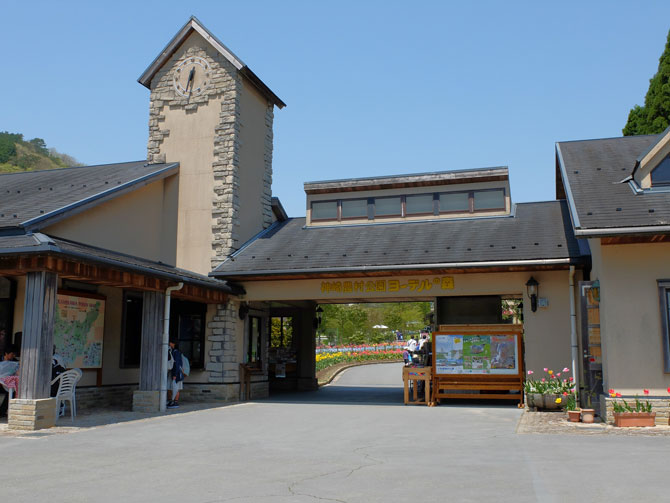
x: 372, y: 87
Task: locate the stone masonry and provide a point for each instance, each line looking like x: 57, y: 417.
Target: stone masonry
x: 225, y: 85
x: 27, y: 414
x: 222, y: 362
x: 661, y: 406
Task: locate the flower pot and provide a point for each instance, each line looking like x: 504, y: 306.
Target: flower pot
x: 635, y: 419
x: 534, y: 400
x: 574, y: 416
x: 550, y: 401
x: 588, y: 415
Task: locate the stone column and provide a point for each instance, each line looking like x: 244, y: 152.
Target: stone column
x: 146, y: 399
x: 34, y: 409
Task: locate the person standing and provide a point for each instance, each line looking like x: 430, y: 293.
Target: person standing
x: 176, y: 374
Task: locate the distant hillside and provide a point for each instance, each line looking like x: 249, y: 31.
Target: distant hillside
x: 17, y: 154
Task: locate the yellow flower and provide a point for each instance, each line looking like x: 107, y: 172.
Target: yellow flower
x: 550, y: 372
x: 558, y: 400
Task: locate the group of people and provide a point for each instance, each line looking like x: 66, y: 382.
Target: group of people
x: 415, y: 348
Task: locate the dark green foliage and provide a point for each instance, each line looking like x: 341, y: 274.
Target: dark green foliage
x: 654, y: 116
x: 7, y: 148
x: 39, y: 145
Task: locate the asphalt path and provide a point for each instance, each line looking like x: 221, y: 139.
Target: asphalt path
x: 352, y: 441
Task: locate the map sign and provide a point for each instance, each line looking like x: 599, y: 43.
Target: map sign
x: 476, y: 354
x: 78, y: 330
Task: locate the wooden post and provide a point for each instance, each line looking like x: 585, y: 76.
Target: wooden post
x: 153, y: 308
x: 37, y: 341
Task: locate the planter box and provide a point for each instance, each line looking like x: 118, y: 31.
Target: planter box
x: 574, y: 416
x: 635, y: 419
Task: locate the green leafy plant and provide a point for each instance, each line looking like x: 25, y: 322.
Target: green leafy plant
x: 570, y: 401
x: 623, y: 406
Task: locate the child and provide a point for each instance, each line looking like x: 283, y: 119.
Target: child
x: 177, y: 376
x: 405, y: 356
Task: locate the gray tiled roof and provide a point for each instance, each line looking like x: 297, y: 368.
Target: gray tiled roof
x: 41, y: 243
x: 593, y: 169
x: 537, y: 232
x: 31, y: 198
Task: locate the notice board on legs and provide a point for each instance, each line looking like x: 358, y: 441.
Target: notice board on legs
x: 478, y: 361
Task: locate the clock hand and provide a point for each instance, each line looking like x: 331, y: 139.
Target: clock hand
x: 189, y: 83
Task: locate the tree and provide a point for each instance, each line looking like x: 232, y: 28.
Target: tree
x: 654, y: 116
x: 39, y: 145
x: 7, y: 148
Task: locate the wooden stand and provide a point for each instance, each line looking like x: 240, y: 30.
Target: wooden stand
x: 417, y: 374
x: 246, y: 372
x: 479, y: 385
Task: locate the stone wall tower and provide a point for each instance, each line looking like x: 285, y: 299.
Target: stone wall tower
x: 212, y: 114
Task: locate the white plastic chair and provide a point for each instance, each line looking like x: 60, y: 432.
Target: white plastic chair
x: 66, y: 390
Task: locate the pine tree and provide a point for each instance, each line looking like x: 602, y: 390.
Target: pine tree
x: 654, y: 116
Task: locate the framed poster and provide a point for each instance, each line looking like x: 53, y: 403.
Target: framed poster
x: 485, y: 354
x: 79, y: 327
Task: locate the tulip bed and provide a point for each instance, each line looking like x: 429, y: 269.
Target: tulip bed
x: 325, y: 360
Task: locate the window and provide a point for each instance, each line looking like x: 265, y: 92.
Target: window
x: 664, y: 297
x: 489, y: 200
x: 455, y: 201
x: 419, y: 204
x: 388, y: 206
x: 661, y: 173
x: 326, y: 210
x: 254, y: 340
x: 281, y: 332
x: 187, y: 326
x: 354, y: 208
x: 131, y: 338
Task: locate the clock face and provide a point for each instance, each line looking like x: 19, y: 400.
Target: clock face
x: 192, y: 76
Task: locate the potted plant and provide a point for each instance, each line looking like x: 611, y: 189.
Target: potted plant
x: 574, y: 413
x: 533, y: 391
x: 627, y: 415
x: 550, y: 391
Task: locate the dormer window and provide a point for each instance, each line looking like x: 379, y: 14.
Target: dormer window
x: 354, y: 208
x: 388, y: 206
x: 489, y: 200
x: 420, y: 204
x: 326, y: 210
x: 660, y: 175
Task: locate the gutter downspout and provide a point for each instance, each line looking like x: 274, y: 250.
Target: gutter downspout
x: 164, y: 345
x: 573, y: 334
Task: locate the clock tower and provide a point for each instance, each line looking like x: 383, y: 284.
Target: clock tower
x: 213, y: 115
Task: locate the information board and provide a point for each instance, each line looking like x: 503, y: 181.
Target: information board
x: 483, y: 354
x: 79, y: 328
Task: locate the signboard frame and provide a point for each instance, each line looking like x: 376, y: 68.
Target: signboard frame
x: 504, y: 386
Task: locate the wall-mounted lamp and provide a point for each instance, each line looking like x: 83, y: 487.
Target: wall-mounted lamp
x: 243, y: 311
x: 532, y: 288
x: 319, y: 316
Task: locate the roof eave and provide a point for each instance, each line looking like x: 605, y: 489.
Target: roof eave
x: 404, y: 267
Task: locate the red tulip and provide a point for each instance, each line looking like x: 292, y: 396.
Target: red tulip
x: 646, y: 392
x: 618, y: 395
x: 611, y: 391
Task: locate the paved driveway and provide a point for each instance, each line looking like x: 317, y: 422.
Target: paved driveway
x: 350, y: 442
